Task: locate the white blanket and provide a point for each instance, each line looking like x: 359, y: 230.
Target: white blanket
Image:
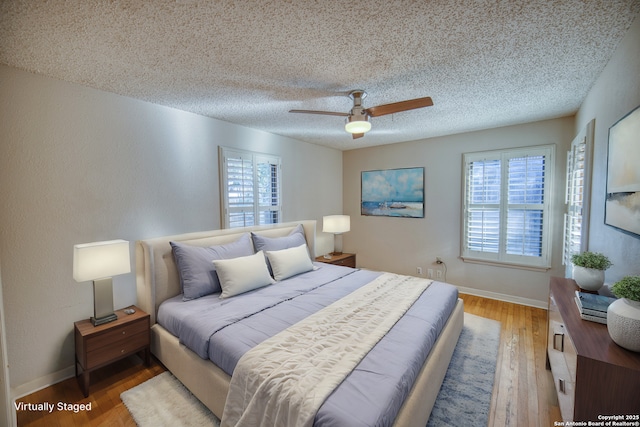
x: 284, y: 380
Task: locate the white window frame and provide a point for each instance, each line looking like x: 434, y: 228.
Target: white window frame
x: 253, y: 206
x: 501, y: 257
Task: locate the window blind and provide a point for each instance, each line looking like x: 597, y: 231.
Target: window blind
x: 268, y: 190
x: 483, y: 218
x: 250, y: 188
x: 577, y: 191
x: 574, y: 200
x: 525, y: 183
x: 240, y: 191
x: 505, y: 212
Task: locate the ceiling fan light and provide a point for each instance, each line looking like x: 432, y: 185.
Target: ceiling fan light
x: 357, y: 126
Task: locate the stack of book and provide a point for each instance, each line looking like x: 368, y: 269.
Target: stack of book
x: 593, y: 307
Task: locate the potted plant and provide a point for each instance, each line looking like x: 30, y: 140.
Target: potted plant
x: 588, y: 269
x: 623, y: 315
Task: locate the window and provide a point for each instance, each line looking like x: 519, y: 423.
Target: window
x: 506, y: 206
x: 578, y: 188
x: 250, y: 188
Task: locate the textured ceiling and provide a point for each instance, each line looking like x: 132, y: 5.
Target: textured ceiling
x: 485, y: 63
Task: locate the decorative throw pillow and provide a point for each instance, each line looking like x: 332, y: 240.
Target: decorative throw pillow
x: 289, y: 262
x: 197, y: 274
x: 239, y: 275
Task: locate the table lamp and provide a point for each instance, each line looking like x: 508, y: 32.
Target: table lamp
x: 99, y: 261
x: 336, y: 224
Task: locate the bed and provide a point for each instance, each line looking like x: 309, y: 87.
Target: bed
x: 160, y: 291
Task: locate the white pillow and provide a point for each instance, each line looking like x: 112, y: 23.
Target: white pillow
x: 242, y: 274
x: 289, y: 262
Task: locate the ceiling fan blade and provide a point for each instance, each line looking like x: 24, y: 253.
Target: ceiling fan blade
x: 326, y: 113
x: 357, y: 135
x: 397, y: 107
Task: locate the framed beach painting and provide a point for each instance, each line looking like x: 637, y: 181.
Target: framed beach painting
x: 393, y: 192
x: 622, y: 205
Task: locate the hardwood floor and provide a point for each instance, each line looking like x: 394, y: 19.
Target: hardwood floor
x: 523, y: 392
x: 106, y: 407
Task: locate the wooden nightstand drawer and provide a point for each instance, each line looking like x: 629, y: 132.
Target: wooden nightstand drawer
x: 117, y: 349
x: 113, y: 336
x: 346, y: 260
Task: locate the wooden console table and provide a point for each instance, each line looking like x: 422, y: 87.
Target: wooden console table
x: 592, y: 375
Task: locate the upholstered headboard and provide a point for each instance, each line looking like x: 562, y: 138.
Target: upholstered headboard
x: 156, y: 272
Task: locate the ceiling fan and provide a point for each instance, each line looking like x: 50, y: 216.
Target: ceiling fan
x: 358, y: 118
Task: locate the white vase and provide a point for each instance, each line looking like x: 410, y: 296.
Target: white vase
x: 589, y: 279
x: 623, y: 323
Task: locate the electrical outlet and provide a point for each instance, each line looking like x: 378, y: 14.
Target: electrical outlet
x: 419, y: 271
x: 430, y: 273
x: 438, y: 274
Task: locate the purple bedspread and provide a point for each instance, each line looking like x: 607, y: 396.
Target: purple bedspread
x: 222, y: 330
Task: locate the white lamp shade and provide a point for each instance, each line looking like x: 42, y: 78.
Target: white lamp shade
x: 358, y: 126
x: 98, y: 260
x: 336, y: 224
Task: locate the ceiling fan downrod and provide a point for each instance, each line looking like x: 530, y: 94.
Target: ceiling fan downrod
x: 357, y: 122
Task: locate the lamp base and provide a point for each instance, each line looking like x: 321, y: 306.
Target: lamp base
x: 103, y: 302
x: 337, y: 244
x: 105, y: 319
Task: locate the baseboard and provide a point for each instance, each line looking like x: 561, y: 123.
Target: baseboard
x: 42, y: 382
x: 504, y: 297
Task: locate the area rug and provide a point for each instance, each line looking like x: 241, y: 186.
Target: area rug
x: 464, y: 398
x: 164, y: 401
x: 465, y: 395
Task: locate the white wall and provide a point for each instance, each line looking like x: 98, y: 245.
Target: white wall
x: 80, y: 165
x: 615, y: 93
x: 402, y: 244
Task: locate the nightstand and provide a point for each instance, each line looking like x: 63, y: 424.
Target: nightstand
x: 98, y: 346
x: 345, y: 259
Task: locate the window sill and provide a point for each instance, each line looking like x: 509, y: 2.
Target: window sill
x: 504, y: 264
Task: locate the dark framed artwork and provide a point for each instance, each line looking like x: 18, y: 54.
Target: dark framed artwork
x: 622, y: 205
x: 393, y: 192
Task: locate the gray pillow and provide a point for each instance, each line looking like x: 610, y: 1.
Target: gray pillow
x: 294, y: 239
x: 263, y: 243
x: 197, y: 273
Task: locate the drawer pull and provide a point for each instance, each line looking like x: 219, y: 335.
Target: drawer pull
x: 555, y: 336
x: 562, y: 386
x: 124, y: 332
x: 121, y: 351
